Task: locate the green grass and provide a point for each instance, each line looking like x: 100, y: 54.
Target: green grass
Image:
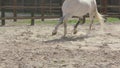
x: 112, y: 20
x: 109, y: 20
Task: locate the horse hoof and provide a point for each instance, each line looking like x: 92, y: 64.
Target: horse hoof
x: 75, y: 32
x: 54, y: 33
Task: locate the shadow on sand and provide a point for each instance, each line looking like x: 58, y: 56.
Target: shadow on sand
x: 65, y: 39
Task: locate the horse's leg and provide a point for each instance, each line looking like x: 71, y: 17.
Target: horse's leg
x: 83, y: 20
x: 65, y: 24
x: 76, y: 25
x: 56, y: 27
x: 65, y: 28
x: 91, y: 22
x: 64, y: 20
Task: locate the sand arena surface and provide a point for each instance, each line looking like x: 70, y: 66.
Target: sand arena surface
x: 24, y: 46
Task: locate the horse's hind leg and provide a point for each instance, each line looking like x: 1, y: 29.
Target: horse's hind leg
x: 56, y: 27
x: 76, y: 25
x: 90, y: 27
x: 91, y: 22
x: 84, y: 19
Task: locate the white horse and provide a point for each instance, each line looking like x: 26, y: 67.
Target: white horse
x: 78, y: 8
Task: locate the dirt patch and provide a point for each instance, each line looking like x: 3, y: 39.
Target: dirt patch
x: 34, y: 47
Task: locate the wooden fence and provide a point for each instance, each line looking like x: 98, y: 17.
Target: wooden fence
x: 54, y: 10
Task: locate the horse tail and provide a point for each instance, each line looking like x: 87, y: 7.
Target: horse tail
x: 97, y: 14
x: 100, y: 18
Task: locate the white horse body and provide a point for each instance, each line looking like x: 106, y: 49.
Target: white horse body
x: 79, y: 8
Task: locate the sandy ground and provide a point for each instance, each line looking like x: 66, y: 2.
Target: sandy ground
x: 23, y: 46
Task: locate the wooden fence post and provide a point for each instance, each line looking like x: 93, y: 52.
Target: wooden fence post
x: 2, y: 13
x: 32, y: 19
x: 14, y: 10
x: 42, y: 10
x: 104, y: 6
x: 61, y: 7
x: 33, y: 14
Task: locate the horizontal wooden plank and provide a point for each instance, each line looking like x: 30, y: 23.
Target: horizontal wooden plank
x: 28, y: 7
x: 113, y: 6
x: 49, y: 17
x: 28, y: 17
x: 37, y: 7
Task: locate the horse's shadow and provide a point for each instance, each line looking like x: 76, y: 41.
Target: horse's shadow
x: 65, y: 39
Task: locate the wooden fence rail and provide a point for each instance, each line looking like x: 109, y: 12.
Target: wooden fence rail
x: 44, y: 7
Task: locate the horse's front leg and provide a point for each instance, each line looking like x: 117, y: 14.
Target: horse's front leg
x: 56, y: 27
x: 65, y: 29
